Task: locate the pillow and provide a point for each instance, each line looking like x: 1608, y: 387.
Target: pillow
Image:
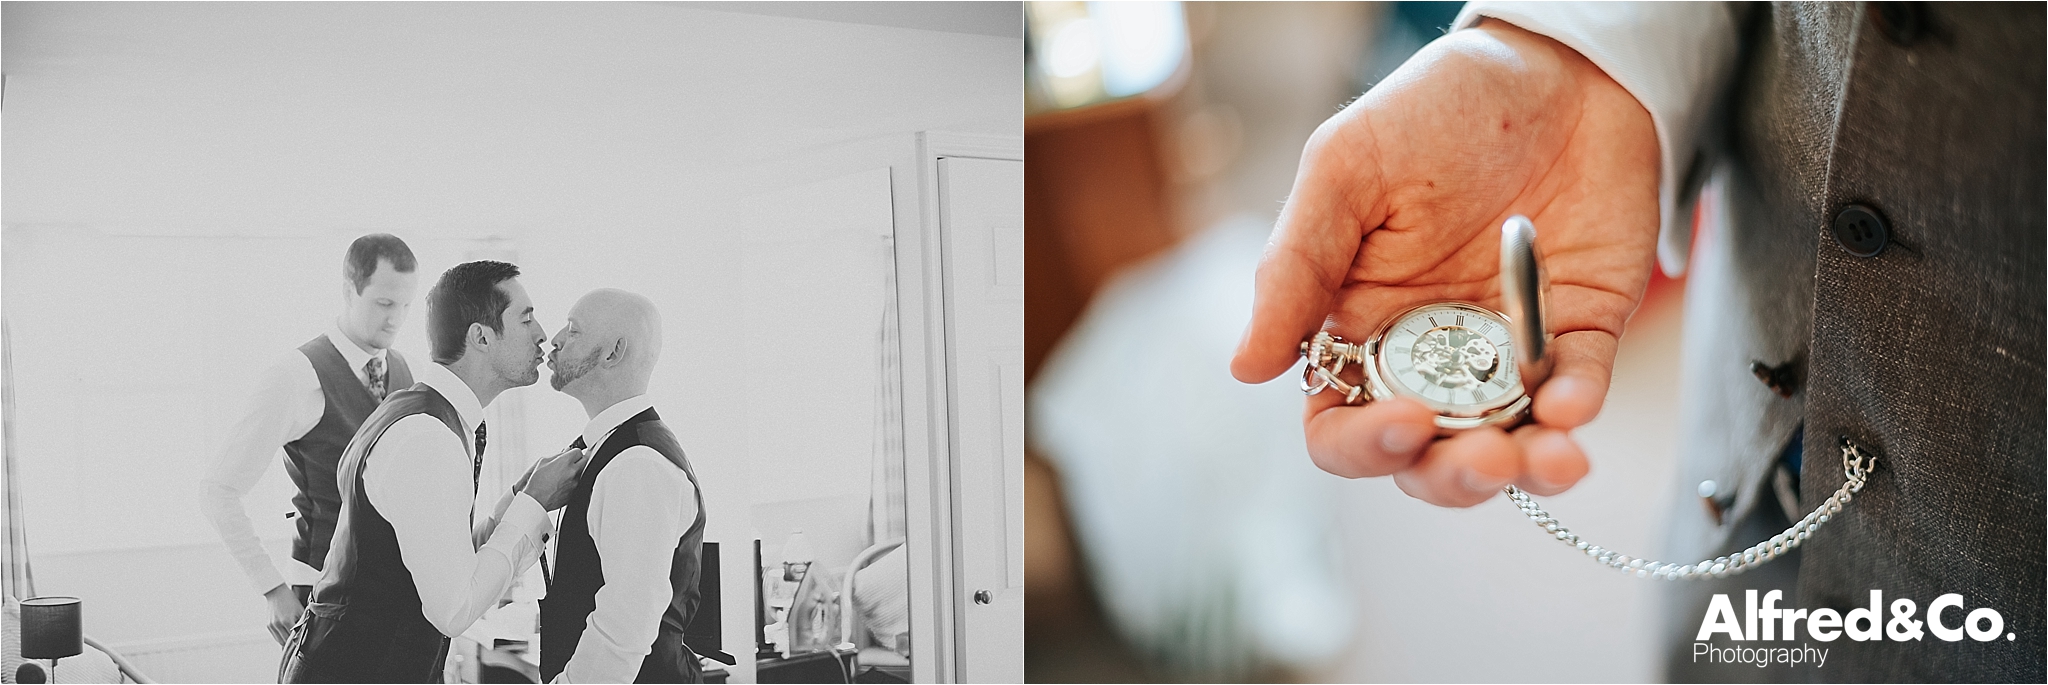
x: 881, y: 593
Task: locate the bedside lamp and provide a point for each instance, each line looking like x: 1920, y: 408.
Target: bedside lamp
x: 50, y: 630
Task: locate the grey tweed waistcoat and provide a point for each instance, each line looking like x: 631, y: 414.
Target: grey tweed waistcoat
x: 1928, y: 353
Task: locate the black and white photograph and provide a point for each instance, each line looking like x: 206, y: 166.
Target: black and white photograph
x: 719, y: 306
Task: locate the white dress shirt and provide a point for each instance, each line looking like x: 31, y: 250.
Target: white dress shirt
x: 419, y: 477
x: 1676, y: 58
x: 649, y: 504
x: 287, y: 404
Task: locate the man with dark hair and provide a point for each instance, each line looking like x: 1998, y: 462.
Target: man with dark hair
x: 469, y: 294
x: 310, y: 402
x: 366, y: 252
x: 406, y: 570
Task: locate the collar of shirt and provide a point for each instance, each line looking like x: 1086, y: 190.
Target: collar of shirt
x: 350, y: 351
x: 455, y: 391
x: 601, y: 425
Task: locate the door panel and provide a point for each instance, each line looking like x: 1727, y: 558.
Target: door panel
x: 981, y: 212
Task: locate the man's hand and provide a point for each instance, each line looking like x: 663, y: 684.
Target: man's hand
x: 1399, y: 200
x: 553, y: 479
x: 284, y: 611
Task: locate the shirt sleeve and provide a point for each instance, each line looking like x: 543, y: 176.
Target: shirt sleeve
x: 286, y: 404
x: 418, y: 476
x: 1676, y: 58
x: 637, y: 517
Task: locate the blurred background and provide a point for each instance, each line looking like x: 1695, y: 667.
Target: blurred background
x: 1176, y: 527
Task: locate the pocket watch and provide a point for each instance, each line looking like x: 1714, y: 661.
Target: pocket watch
x: 1470, y: 364
x: 1477, y: 367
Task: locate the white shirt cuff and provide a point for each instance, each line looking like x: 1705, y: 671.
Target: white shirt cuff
x: 1674, y: 57
x: 519, y: 532
x: 265, y: 576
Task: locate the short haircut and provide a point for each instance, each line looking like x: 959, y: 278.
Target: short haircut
x: 363, y: 254
x: 465, y: 295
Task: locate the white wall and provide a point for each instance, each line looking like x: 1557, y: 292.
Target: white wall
x: 450, y: 117
x: 181, y: 179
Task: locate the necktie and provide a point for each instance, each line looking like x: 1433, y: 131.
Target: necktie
x: 374, y: 371
x: 547, y: 570
x: 476, y: 470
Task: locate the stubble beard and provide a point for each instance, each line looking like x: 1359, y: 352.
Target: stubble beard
x: 567, y: 371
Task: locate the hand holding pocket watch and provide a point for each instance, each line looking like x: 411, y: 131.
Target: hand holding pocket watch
x: 1477, y: 367
x: 1395, y: 205
x: 1397, y: 202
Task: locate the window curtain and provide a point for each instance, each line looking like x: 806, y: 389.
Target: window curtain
x: 885, y: 494
x: 20, y: 582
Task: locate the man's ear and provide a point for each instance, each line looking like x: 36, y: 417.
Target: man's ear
x: 479, y: 336
x: 617, y: 354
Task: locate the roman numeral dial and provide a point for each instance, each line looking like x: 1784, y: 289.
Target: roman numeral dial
x: 1453, y: 356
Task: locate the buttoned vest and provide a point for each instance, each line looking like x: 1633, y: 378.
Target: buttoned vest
x: 579, y: 571
x: 1929, y: 352
x: 310, y: 461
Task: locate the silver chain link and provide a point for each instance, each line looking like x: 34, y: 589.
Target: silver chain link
x: 1855, y: 465
x: 1327, y: 356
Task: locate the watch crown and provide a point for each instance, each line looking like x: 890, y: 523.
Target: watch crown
x: 1327, y: 355
x: 1326, y: 347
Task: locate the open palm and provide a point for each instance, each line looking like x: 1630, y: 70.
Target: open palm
x: 1399, y: 200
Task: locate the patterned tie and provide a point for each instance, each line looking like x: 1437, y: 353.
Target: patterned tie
x: 476, y: 470
x: 374, y: 370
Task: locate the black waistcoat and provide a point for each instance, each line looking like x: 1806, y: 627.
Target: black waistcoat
x: 364, y: 623
x: 311, y: 459
x: 579, y: 572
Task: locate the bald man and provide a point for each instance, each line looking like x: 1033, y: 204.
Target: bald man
x: 624, y: 580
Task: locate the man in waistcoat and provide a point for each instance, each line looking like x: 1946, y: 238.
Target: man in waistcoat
x: 310, y: 402
x: 406, y: 570
x: 1873, y: 288
x: 625, y: 564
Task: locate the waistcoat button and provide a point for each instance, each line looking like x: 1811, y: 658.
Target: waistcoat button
x: 1861, y: 231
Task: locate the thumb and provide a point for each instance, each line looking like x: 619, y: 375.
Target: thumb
x: 1578, y: 382
x: 1313, y: 246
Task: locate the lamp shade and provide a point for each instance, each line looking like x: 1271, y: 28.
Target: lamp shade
x: 50, y: 628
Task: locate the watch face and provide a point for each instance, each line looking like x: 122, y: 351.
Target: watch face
x: 1456, y: 358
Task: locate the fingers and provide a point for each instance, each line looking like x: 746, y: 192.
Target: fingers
x: 1313, y: 246
x: 278, y: 631
x: 1463, y: 470
x: 1373, y: 440
x: 1578, y: 382
x: 1551, y: 462
x: 1398, y: 437
x: 569, y: 457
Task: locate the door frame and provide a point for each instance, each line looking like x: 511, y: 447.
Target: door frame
x: 931, y: 485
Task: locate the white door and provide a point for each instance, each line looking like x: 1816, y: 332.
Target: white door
x: 981, y: 211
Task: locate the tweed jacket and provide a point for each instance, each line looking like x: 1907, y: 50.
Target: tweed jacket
x: 1927, y: 353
